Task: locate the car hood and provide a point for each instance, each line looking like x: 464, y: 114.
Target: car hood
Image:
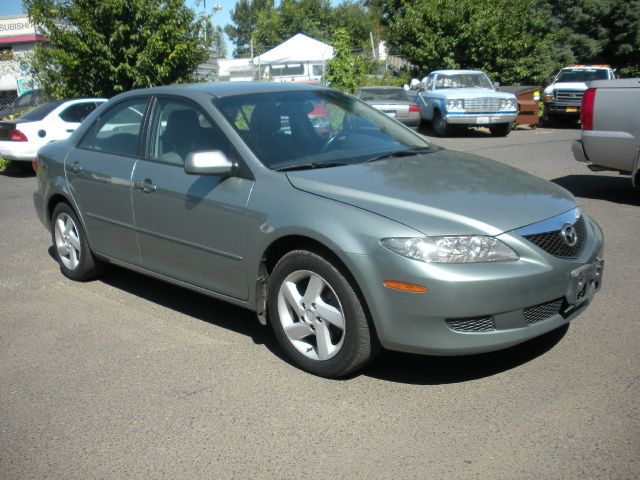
x: 568, y: 86
x: 441, y: 193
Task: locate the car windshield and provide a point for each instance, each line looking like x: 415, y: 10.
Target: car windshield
x: 316, y: 128
x: 40, y: 112
x: 462, y: 80
x: 382, y: 94
x: 582, y: 75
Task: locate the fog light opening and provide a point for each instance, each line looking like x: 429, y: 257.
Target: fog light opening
x: 405, y: 287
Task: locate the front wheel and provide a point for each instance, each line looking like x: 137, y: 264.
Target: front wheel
x: 501, y: 129
x: 440, y: 125
x: 70, y: 245
x: 317, y: 316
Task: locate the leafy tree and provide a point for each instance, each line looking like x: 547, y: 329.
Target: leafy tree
x: 500, y: 37
x: 245, y: 17
x: 583, y: 31
x: 267, y: 26
x: 110, y: 46
x: 345, y: 71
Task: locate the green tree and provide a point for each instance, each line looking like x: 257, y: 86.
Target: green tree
x: 345, y: 71
x: 110, y: 46
x: 587, y: 31
x: 268, y: 26
x: 500, y: 37
x: 245, y: 17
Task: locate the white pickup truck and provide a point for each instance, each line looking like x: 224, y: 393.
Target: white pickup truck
x: 610, y: 117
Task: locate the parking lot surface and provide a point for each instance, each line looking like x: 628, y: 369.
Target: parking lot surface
x: 128, y: 377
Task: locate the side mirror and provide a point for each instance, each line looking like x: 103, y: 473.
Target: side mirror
x: 496, y: 85
x: 212, y: 162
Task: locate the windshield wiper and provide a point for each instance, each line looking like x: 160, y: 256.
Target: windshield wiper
x: 401, y: 153
x: 309, y: 165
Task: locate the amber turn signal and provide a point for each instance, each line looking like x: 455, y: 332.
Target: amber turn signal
x: 405, y: 287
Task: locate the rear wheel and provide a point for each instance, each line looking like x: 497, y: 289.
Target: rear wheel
x: 71, y: 249
x: 317, y: 316
x: 501, y: 129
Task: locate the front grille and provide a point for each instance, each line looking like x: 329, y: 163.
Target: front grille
x: 481, y: 105
x: 482, y: 324
x: 554, y: 244
x: 537, y: 313
x: 569, y: 96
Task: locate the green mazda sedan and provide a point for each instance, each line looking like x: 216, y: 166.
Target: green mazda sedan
x: 346, y: 235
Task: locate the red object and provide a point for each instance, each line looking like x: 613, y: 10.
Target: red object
x: 18, y: 136
x: 414, y: 108
x: 34, y: 165
x: 586, y: 111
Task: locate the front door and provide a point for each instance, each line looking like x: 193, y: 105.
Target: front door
x: 190, y: 227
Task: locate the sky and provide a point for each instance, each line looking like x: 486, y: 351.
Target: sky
x: 221, y: 17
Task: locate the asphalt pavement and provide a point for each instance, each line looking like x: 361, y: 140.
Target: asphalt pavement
x: 129, y: 377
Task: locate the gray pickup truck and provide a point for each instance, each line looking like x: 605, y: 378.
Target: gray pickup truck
x: 610, y: 117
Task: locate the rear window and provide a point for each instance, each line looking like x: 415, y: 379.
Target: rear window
x: 382, y: 94
x: 40, y: 112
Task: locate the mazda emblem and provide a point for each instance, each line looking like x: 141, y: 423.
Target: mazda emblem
x: 569, y: 234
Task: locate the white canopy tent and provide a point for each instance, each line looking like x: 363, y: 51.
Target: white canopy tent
x: 299, y: 58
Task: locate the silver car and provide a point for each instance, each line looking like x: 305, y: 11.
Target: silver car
x: 393, y: 101
x: 345, y: 241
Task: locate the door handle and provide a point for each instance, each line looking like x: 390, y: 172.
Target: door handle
x: 147, y: 186
x: 75, y: 167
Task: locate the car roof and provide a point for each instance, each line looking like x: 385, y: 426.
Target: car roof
x: 224, y: 89
x: 381, y: 87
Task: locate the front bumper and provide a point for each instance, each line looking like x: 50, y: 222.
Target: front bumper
x: 479, y: 119
x: 568, y: 109
x: 515, y: 299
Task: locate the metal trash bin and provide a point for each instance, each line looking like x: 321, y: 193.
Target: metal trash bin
x: 528, y: 103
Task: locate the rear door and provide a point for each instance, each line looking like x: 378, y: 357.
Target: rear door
x: 99, y: 175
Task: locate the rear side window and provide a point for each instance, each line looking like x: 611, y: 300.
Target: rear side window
x: 78, y: 112
x: 119, y: 128
x: 40, y: 112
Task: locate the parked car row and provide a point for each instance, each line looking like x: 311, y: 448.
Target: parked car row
x: 341, y: 228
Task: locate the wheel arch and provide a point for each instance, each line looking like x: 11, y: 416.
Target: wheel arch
x: 285, y: 244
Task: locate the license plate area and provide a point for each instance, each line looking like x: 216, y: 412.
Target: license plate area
x: 585, y: 282
x: 482, y: 120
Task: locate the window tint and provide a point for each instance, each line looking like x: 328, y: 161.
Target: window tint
x: 78, y: 112
x: 179, y: 129
x: 120, y: 128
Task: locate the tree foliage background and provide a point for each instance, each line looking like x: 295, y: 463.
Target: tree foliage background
x: 106, y: 47
x: 514, y: 41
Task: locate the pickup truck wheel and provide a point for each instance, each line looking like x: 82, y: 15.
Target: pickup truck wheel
x: 501, y: 129
x: 440, y: 125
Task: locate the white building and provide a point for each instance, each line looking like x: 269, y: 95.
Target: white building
x: 18, y: 38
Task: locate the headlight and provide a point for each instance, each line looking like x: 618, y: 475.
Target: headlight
x: 507, y: 103
x: 455, y: 104
x: 454, y: 249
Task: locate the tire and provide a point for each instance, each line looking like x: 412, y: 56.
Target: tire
x: 317, y: 316
x: 70, y: 246
x: 500, y: 129
x: 440, y: 125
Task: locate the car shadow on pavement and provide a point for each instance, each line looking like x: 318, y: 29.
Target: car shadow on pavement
x: 430, y: 370
x: 192, y: 304
x: 389, y: 366
x: 18, y: 172
x: 601, y: 187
